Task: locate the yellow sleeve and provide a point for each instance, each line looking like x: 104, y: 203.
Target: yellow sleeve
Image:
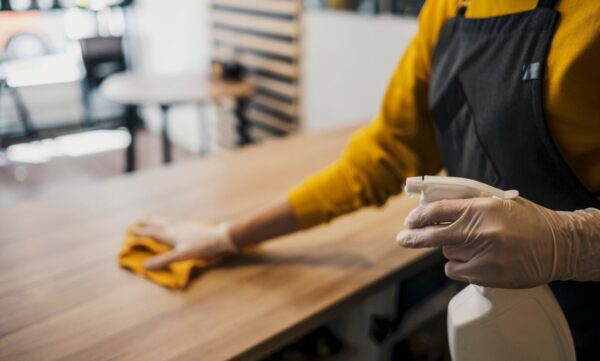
x: 398, y: 143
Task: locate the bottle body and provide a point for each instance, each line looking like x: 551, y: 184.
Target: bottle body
x: 503, y: 324
x: 495, y: 324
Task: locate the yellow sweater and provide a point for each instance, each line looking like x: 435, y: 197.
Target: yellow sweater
x: 400, y: 143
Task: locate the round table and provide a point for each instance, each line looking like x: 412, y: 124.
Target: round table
x: 137, y: 89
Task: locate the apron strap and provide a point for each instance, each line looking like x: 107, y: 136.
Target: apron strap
x: 547, y: 4
x: 462, y: 7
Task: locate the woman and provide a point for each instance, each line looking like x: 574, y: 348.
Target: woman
x: 498, y: 91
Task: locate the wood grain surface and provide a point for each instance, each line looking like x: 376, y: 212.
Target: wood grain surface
x: 63, y: 296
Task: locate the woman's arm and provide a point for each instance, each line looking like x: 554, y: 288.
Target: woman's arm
x: 195, y: 240
x: 508, y: 243
x: 399, y: 143
x: 274, y: 220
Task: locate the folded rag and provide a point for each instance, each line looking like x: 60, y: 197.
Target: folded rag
x: 137, y: 249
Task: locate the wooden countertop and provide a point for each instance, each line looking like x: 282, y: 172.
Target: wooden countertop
x: 62, y: 295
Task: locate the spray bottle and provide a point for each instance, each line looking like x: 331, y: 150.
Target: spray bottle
x: 496, y: 324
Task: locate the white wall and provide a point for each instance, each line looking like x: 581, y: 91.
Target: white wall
x: 347, y: 62
x: 173, y: 37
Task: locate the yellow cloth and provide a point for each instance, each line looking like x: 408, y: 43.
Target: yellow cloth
x: 137, y: 249
x: 400, y: 143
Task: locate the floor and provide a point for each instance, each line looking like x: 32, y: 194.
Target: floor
x: 22, y: 181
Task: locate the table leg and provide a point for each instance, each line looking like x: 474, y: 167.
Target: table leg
x: 204, y: 131
x: 243, y: 124
x: 167, y: 158
x: 131, y: 123
x: 22, y: 111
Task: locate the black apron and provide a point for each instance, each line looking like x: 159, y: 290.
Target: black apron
x: 486, y: 103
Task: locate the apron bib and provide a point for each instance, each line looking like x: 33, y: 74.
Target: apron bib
x: 486, y: 103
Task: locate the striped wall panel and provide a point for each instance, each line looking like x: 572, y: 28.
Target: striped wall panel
x: 266, y: 37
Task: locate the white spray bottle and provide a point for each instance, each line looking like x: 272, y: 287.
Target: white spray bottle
x: 496, y: 324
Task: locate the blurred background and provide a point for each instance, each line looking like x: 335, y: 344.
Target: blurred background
x: 92, y: 89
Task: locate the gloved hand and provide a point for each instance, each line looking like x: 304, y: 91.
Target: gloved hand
x: 507, y: 243
x: 188, y: 239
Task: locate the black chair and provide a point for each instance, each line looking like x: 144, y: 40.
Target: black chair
x: 103, y: 56
x: 5, y: 5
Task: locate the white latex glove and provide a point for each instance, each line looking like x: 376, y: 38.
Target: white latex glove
x: 507, y: 243
x: 189, y: 240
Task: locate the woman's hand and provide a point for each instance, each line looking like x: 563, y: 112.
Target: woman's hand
x: 193, y: 240
x: 507, y: 243
x: 189, y: 240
